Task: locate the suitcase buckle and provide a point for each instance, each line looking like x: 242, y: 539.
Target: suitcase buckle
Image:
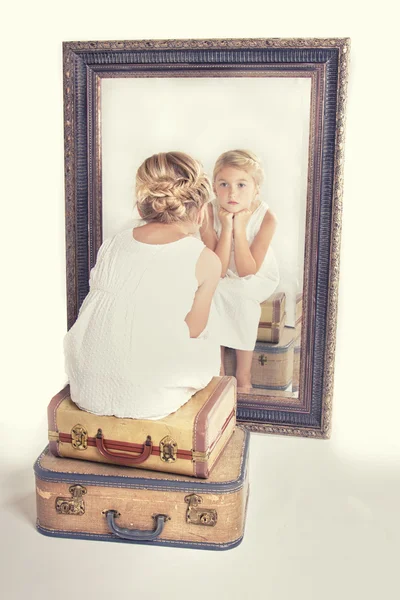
x: 262, y: 359
x: 168, y: 449
x: 79, y: 437
x: 74, y: 505
x: 199, y: 516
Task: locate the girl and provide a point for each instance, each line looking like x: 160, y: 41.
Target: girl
x: 239, y: 229
x: 139, y: 347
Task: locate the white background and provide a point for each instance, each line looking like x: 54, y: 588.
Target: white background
x: 323, y: 517
x: 205, y: 117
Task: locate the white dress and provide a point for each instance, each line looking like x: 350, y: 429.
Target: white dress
x: 236, y: 302
x: 129, y: 353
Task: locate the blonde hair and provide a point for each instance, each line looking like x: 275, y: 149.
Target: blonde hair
x: 170, y: 187
x: 240, y: 159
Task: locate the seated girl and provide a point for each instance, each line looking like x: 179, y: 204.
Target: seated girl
x: 239, y: 229
x: 140, y: 347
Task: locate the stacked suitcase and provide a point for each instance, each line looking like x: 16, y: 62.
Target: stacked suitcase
x: 276, y: 356
x: 178, y: 481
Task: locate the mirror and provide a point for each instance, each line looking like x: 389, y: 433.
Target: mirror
x: 125, y: 101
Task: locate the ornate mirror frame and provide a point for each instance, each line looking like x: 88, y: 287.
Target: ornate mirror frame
x: 325, y: 61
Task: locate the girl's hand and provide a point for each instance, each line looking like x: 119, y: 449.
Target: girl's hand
x: 241, y: 219
x: 226, y: 218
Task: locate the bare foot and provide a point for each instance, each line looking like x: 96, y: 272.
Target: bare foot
x: 245, y: 389
x: 243, y: 381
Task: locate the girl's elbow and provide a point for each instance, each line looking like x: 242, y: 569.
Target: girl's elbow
x: 246, y: 272
x: 196, y: 331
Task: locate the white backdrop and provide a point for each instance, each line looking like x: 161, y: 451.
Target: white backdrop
x: 205, y: 117
x: 323, y: 518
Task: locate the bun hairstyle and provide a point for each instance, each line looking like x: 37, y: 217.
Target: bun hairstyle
x: 241, y: 159
x: 170, y: 187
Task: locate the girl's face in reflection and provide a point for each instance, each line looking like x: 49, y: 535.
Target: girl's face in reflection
x: 235, y: 189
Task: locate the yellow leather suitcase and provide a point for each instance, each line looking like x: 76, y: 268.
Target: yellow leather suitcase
x: 187, y: 442
x: 86, y: 500
x: 272, y: 320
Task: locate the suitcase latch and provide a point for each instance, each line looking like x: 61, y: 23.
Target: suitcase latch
x: 74, y: 505
x: 198, y: 456
x: 197, y: 515
x: 168, y: 449
x: 262, y: 359
x: 79, y: 437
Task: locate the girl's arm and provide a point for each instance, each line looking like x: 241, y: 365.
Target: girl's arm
x: 207, y: 231
x: 208, y: 273
x: 248, y: 260
x: 222, y: 246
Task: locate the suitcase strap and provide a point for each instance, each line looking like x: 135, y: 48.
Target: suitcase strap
x: 122, y: 457
x: 128, y: 453
x: 135, y: 534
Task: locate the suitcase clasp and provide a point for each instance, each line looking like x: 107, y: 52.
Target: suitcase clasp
x: 79, y: 437
x: 168, y: 449
x: 262, y: 359
x: 199, y: 516
x: 74, y: 505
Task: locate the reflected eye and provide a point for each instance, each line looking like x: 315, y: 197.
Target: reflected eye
x: 223, y: 184
x: 241, y: 185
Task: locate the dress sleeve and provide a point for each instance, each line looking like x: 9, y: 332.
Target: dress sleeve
x: 100, y: 257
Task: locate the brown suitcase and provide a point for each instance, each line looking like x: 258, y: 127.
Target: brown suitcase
x: 86, y: 500
x: 272, y: 364
x: 187, y: 441
x: 272, y: 320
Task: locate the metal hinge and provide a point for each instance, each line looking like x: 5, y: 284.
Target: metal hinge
x: 200, y: 456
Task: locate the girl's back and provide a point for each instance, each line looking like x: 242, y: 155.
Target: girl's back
x: 130, y: 352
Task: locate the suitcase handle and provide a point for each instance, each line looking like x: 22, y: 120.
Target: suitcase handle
x: 121, y: 457
x: 136, y: 534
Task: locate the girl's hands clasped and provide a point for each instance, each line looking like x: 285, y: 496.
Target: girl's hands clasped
x: 241, y: 219
x: 234, y: 221
x: 226, y: 218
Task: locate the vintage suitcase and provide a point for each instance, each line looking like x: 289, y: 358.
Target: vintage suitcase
x: 86, y: 500
x: 187, y: 442
x: 272, y: 320
x: 272, y: 364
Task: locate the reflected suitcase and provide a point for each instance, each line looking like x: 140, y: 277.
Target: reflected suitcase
x: 86, y: 500
x: 187, y: 441
x: 272, y: 364
x: 272, y: 319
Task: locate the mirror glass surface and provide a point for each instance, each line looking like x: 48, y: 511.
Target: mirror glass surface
x: 204, y: 117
